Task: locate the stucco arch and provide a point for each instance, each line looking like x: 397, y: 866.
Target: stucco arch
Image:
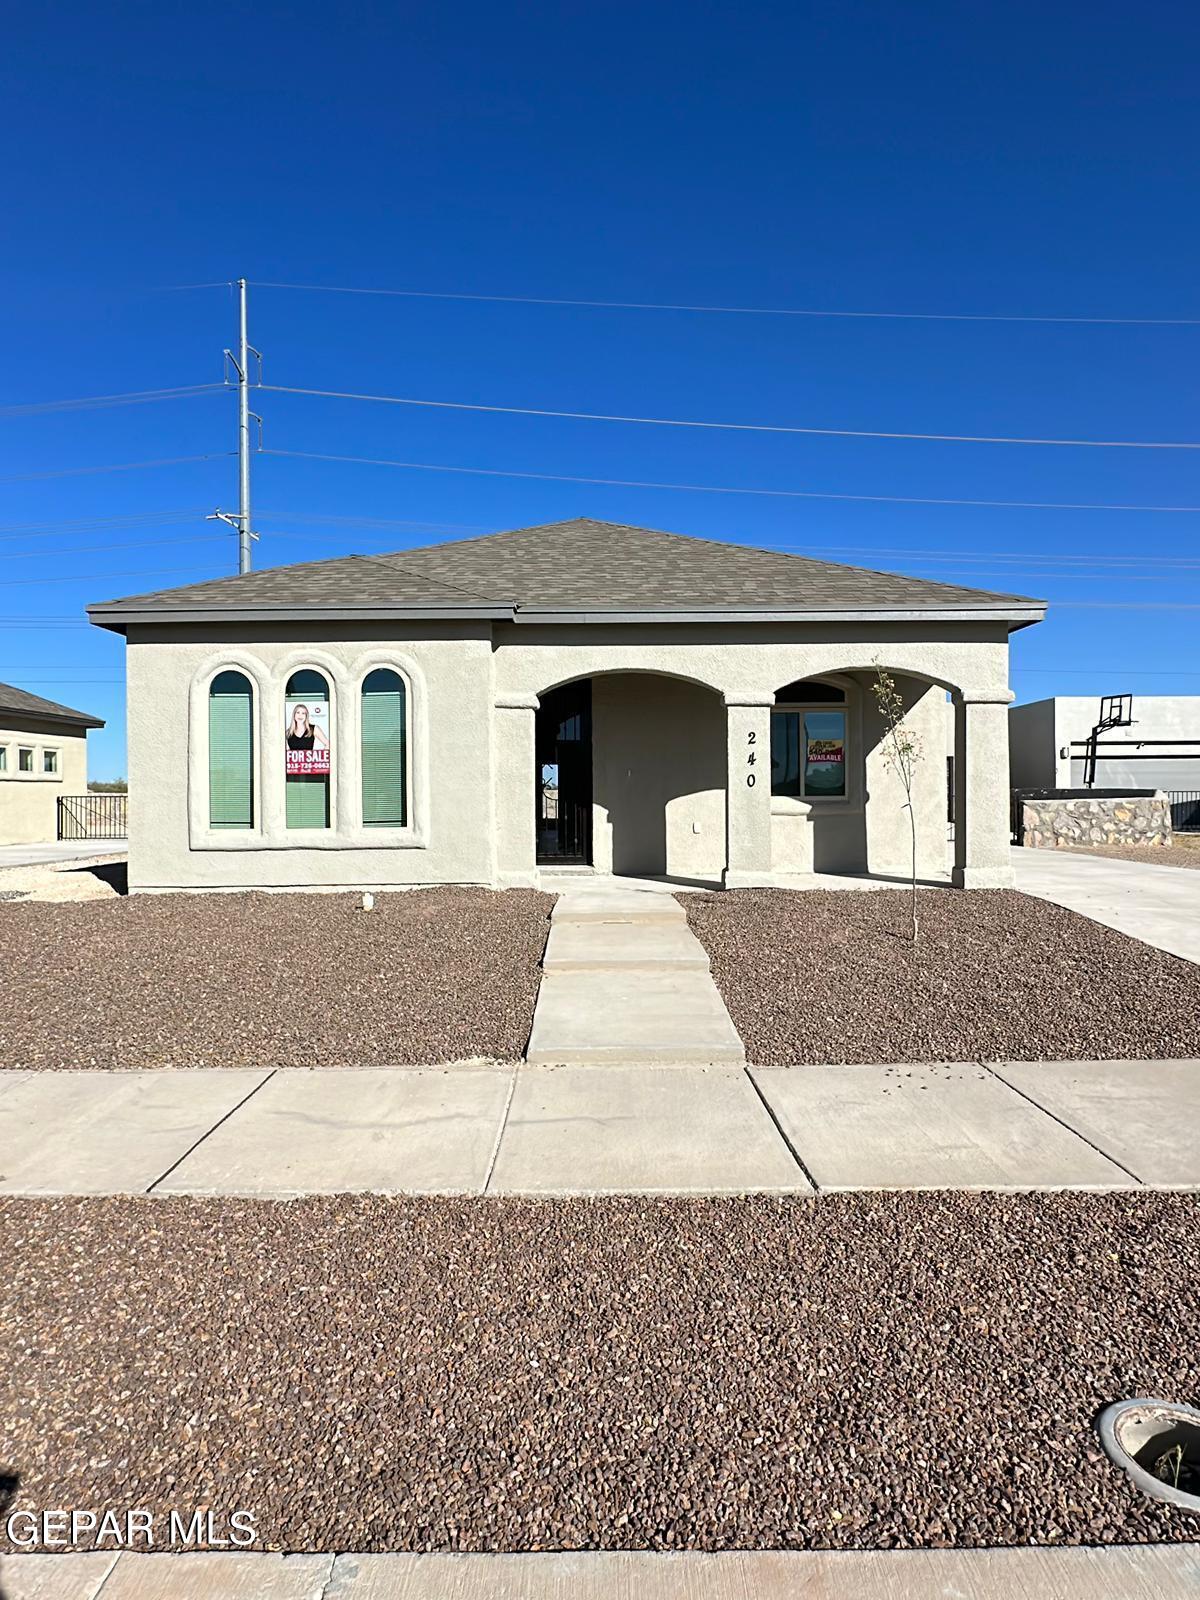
x: 602, y: 671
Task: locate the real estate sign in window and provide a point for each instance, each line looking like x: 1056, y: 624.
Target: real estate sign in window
x: 307, y: 736
x: 825, y: 752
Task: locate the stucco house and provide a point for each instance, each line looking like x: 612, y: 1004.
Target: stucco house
x: 580, y: 696
x: 43, y: 754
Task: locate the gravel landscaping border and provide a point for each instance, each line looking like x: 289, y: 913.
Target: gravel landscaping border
x: 263, y: 980
x: 830, y: 976
x: 866, y: 1371
x: 1184, y: 852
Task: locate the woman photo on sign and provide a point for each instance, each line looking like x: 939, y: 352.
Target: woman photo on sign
x: 302, y: 734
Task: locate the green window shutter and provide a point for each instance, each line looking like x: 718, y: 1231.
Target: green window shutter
x: 383, y: 749
x: 307, y: 802
x: 230, y: 752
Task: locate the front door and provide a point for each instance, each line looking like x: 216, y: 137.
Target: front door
x: 563, y: 777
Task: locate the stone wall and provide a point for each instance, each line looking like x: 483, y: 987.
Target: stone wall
x: 1056, y: 824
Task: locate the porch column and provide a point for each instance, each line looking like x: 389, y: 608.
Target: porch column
x: 747, y: 792
x: 513, y: 750
x: 982, y: 857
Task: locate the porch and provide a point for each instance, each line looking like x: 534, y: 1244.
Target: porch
x: 657, y: 779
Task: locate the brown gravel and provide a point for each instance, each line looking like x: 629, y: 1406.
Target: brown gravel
x: 1185, y: 852
x: 379, y: 1374
x: 264, y: 980
x: 829, y: 976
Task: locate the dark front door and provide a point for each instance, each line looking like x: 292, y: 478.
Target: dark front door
x: 563, y: 779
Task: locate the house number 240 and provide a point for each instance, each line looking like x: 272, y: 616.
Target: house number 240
x: 751, y: 740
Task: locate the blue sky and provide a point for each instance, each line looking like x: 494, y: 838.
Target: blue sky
x: 997, y: 159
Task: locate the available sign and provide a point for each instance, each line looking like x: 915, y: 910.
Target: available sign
x: 307, y: 736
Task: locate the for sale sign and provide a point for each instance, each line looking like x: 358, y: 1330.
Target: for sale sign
x: 307, y: 736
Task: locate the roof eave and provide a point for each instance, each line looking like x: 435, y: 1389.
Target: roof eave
x: 118, y: 615
x: 1014, y: 614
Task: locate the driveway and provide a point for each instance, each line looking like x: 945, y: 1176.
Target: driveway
x: 1159, y: 905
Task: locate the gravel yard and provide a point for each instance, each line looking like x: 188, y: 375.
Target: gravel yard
x: 833, y: 977
x: 369, y: 1374
x: 264, y: 980
x: 1183, y: 852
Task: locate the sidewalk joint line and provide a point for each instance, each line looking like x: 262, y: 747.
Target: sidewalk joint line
x: 103, y: 1584
x: 221, y: 1121
x: 780, y: 1130
x: 508, y: 1100
x: 1062, y: 1122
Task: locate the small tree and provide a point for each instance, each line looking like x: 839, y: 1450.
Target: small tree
x: 902, y: 754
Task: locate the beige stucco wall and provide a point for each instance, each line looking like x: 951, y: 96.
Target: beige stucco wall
x: 658, y: 776
x: 28, y: 801
x: 677, y: 711
x: 448, y: 673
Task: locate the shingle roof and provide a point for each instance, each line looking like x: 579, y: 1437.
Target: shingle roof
x: 576, y: 567
x: 20, y: 703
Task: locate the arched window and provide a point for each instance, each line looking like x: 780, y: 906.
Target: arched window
x: 808, y: 741
x: 230, y: 751
x: 384, y: 738
x: 308, y: 750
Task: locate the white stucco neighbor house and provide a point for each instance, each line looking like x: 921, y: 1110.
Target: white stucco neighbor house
x: 43, y: 755
x: 580, y: 696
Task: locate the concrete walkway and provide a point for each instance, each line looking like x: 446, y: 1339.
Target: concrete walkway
x: 1128, y: 1572
x: 625, y: 981
x: 1158, y: 905
x: 36, y: 855
x: 482, y: 1129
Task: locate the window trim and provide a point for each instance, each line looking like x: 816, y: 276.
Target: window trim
x: 51, y: 753
x: 269, y: 672
x: 24, y: 750
x: 848, y: 708
x: 201, y: 834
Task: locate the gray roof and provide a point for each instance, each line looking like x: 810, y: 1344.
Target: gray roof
x: 20, y: 703
x: 578, y: 570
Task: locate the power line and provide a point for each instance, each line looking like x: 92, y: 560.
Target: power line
x: 384, y: 522
x: 96, y: 577
x: 736, y: 311
x: 1021, y: 557
x: 100, y: 401
x: 121, y: 466
x: 80, y: 528
x: 1037, y: 567
x: 709, y: 488
x: 139, y: 544
x: 730, y: 427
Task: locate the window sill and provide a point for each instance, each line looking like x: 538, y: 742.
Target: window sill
x: 366, y: 838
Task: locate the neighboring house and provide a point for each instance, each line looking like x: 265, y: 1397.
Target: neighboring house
x: 584, y: 695
x: 1050, y: 743
x: 43, y: 754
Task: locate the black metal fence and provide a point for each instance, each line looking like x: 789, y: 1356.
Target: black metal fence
x: 93, y: 816
x: 1185, y: 810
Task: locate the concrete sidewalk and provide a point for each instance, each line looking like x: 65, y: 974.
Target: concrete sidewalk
x: 1128, y: 1572
x: 1158, y: 905
x: 486, y: 1129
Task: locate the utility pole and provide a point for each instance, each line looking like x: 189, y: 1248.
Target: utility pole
x: 243, y: 435
x: 241, y: 366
